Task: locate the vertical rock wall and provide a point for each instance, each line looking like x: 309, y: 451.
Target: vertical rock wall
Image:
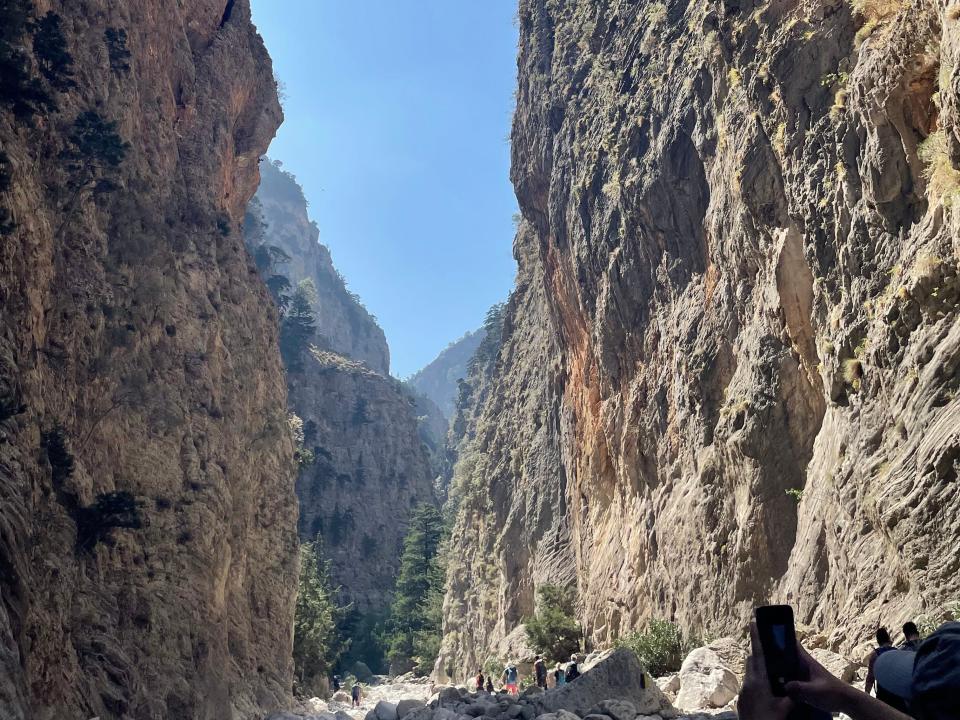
x: 147, y: 514
x: 741, y: 220
x: 343, y: 324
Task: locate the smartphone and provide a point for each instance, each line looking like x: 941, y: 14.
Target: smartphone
x: 779, y: 641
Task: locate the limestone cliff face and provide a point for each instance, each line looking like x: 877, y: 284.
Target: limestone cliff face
x: 370, y: 469
x: 343, y: 324
x: 373, y: 450
x: 738, y: 278
x: 148, y: 520
x: 438, y: 380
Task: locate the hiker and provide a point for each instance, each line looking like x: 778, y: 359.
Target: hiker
x: 541, y: 670
x: 884, y: 644
x: 356, y: 694
x: 911, y: 636
x: 336, y: 683
x: 490, y: 684
x: 927, y: 680
x: 510, y: 677
x: 479, y: 680
x: 559, y: 676
x: 573, y: 671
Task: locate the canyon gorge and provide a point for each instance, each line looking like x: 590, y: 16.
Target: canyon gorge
x: 726, y: 375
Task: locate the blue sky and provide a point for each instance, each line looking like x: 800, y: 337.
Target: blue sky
x: 397, y: 119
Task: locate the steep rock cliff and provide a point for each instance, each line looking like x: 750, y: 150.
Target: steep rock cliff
x: 147, y: 513
x: 738, y: 267
x: 374, y: 453
x: 438, y: 380
x: 370, y: 468
x: 343, y: 324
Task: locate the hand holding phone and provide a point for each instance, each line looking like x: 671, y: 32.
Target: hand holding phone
x: 779, y: 641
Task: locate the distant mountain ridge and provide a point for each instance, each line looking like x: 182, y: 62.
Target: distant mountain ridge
x: 438, y: 380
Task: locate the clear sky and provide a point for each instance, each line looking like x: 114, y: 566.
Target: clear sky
x: 397, y: 124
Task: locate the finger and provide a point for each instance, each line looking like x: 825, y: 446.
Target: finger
x: 756, y: 659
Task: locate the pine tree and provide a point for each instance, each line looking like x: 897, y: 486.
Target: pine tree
x: 415, y: 615
x: 316, y: 641
x: 298, y: 325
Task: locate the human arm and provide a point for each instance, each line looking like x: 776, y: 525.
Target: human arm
x: 829, y: 693
x: 868, y: 686
x: 756, y: 700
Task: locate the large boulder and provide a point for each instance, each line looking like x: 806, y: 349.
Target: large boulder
x: 837, y: 665
x: 341, y: 696
x: 732, y: 653
x: 384, y: 710
x: 705, y: 682
x: 617, y: 677
x: 405, y: 707
x: 616, y: 709
x: 670, y: 684
x: 362, y: 672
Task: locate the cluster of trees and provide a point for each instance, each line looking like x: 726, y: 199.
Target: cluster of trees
x: 554, y: 629
x: 413, y: 627
x: 297, y: 319
x: 317, y: 642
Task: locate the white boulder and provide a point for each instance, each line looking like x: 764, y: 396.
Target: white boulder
x: 705, y: 682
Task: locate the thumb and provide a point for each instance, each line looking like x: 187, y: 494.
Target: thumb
x: 799, y: 689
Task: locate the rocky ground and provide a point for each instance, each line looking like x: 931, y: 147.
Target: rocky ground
x: 613, y: 686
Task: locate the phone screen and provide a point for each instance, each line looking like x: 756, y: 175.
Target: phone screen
x: 779, y: 640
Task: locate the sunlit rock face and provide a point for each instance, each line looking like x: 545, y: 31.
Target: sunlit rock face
x: 147, y: 508
x: 343, y: 324
x: 730, y: 366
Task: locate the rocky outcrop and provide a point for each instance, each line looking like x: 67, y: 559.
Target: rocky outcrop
x: 729, y: 369
x: 370, y: 469
x: 147, y: 515
x: 371, y: 445
x: 439, y: 379
x: 343, y: 324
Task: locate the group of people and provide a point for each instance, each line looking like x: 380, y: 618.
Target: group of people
x: 510, y: 678
x: 911, y: 643
x: 920, y: 679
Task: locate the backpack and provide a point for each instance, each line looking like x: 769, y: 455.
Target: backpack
x: 512, y: 675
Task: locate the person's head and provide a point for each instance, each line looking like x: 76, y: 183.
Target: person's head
x: 883, y: 637
x: 539, y: 657
x: 573, y: 658
x: 928, y: 679
x: 910, y: 631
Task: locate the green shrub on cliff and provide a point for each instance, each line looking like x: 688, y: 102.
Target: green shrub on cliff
x: 413, y: 629
x: 554, y: 629
x: 660, y: 646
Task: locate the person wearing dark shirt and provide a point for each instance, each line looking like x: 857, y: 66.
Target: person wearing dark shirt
x: 911, y: 637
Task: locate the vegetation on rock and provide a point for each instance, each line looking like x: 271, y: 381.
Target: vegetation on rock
x: 413, y: 629
x: 554, y: 629
x: 661, y: 646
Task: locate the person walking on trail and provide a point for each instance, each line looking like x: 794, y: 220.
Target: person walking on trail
x: 884, y: 645
x: 490, y: 684
x: 479, y: 680
x: 510, y: 678
x: 573, y: 671
x: 540, y: 668
x: 336, y: 683
x: 356, y: 694
x: 559, y: 676
x: 911, y: 636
